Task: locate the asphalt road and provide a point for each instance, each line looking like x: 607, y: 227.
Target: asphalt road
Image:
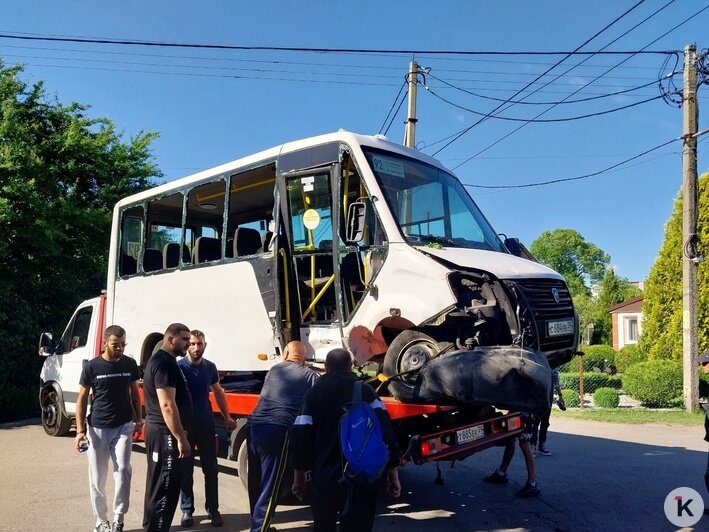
x: 601, y: 476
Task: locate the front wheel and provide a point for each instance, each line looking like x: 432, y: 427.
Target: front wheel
x: 404, y: 358
x: 54, y: 421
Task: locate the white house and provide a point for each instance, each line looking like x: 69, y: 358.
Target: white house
x: 627, y: 322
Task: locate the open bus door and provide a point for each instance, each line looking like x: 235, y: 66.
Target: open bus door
x: 309, y: 276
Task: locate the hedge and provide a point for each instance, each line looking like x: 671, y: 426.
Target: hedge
x: 629, y: 355
x: 606, y: 398
x: 592, y: 380
x: 601, y: 357
x: 655, y: 383
x: 571, y: 397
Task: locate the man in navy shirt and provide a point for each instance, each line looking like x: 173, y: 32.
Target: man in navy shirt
x: 202, y: 376
x: 267, y: 435
x: 113, y: 379
x: 168, y: 408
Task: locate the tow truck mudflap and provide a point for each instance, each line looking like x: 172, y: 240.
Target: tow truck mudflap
x: 459, y: 442
x: 510, y: 378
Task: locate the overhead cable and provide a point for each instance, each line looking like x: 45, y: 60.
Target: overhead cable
x: 577, y: 178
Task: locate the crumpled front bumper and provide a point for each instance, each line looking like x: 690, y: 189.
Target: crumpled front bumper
x: 511, y: 378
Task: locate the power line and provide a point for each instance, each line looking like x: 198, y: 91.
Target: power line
x: 579, y: 100
x: 600, y: 75
x: 545, y: 120
x: 577, y: 178
x: 465, y: 130
x: 165, y: 44
x: 396, y: 99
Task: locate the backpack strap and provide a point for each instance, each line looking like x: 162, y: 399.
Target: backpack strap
x: 357, y: 392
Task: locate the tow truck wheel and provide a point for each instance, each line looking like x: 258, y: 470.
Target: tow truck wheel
x: 405, y: 356
x: 54, y: 421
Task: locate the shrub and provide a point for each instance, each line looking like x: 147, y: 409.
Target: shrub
x: 571, y: 397
x: 655, y: 383
x: 629, y: 355
x: 592, y: 380
x: 598, y: 356
x: 606, y: 398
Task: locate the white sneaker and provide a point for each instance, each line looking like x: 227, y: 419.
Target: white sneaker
x: 103, y: 526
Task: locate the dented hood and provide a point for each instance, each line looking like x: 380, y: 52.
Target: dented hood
x: 501, y: 265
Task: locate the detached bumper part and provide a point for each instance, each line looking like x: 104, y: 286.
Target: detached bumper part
x: 506, y: 377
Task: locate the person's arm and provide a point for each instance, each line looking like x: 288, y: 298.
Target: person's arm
x: 393, y: 484
x: 81, y: 404
x: 220, y: 396
x: 137, y: 408
x: 171, y: 415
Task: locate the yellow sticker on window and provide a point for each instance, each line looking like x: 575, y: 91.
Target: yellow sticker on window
x: 311, y: 219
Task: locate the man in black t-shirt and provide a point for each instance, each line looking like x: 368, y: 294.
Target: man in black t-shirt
x: 113, y: 380
x: 168, y: 408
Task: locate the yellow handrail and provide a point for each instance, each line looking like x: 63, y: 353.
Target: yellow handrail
x: 318, y: 297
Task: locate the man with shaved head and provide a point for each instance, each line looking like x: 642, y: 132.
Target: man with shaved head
x: 267, y: 435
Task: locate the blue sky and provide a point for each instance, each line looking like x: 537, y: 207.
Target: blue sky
x: 213, y: 106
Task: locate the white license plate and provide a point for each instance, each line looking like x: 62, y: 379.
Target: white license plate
x: 559, y: 328
x: 470, y: 434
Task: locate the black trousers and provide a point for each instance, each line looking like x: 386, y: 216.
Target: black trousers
x: 203, y: 438
x: 540, y: 429
x: 162, y: 484
x: 359, y: 517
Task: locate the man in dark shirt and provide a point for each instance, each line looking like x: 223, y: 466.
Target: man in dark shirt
x: 202, y: 376
x: 267, y: 431
x: 168, y: 408
x: 113, y: 379
x: 316, y: 447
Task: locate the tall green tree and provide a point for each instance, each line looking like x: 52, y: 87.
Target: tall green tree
x: 662, y: 304
x: 61, y: 172
x: 581, y: 263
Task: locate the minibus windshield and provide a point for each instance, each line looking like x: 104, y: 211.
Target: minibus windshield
x: 430, y: 205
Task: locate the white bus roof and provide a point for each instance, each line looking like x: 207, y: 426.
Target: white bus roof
x: 374, y: 141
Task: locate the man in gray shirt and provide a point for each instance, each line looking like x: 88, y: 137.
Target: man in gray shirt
x: 267, y: 435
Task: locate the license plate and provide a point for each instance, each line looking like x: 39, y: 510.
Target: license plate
x: 470, y: 434
x: 560, y: 328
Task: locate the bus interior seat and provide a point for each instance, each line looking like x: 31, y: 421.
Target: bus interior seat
x: 152, y: 260
x: 171, y: 255
x: 128, y: 265
x: 229, y: 252
x: 247, y: 241
x: 206, y: 249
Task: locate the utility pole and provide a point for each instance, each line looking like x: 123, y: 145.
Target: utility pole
x: 689, y: 232
x: 410, y: 131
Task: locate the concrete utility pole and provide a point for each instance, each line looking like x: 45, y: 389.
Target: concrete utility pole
x: 689, y: 232
x: 410, y: 131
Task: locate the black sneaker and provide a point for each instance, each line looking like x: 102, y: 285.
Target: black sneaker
x: 544, y: 451
x: 216, y: 518
x: 186, y: 521
x: 528, y: 491
x: 496, y: 478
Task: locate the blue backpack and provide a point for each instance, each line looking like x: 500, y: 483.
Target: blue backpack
x: 362, y: 444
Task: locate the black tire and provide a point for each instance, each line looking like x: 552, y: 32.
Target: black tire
x: 54, y: 421
x: 407, y: 354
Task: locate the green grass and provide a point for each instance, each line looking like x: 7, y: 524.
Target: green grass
x: 635, y: 415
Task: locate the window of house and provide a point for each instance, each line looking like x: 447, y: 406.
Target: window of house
x: 631, y: 330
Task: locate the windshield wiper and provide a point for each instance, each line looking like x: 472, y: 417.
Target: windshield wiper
x: 445, y: 241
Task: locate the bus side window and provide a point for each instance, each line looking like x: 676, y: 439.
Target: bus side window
x: 205, y: 215
x: 131, y: 236
x: 164, y: 227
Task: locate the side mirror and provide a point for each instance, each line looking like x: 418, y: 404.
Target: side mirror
x: 356, y: 214
x: 46, y: 344
x: 513, y: 246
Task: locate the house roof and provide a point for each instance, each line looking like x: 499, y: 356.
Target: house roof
x: 634, y: 304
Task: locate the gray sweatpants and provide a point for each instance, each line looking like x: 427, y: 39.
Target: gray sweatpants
x: 114, y: 443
